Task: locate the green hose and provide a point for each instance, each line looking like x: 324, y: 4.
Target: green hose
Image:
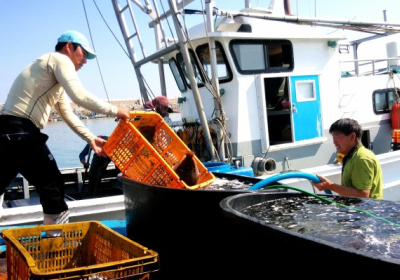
x: 332, y: 202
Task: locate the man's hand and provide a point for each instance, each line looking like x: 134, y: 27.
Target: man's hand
x: 97, y: 145
x: 325, y: 184
x: 85, y: 164
x: 123, y: 113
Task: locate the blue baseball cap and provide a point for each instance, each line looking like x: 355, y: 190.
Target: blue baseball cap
x: 78, y: 38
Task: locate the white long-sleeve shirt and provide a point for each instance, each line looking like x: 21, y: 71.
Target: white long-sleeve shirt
x: 45, y: 84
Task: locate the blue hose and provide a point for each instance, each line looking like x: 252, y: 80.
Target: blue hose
x: 286, y: 175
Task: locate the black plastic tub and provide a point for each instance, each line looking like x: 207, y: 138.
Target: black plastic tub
x: 331, y: 242
x: 186, y: 227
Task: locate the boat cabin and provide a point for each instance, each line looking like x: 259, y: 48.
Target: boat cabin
x: 269, y: 88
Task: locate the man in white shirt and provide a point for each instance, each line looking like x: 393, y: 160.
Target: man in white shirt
x: 45, y: 84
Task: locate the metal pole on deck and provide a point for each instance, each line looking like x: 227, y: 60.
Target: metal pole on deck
x: 160, y: 62
x: 217, y: 108
x: 199, y: 104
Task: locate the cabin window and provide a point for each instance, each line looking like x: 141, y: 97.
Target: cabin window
x: 178, y: 77
x: 223, y: 69
x: 262, y: 56
x: 250, y: 57
x: 305, y: 91
x: 196, y: 70
x: 383, y: 100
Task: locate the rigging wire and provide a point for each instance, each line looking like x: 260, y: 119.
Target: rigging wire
x: 210, y: 87
x: 200, y: 67
x: 392, y: 74
x: 148, y: 90
x: 105, y: 22
x: 169, y: 26
x: 97, y: 59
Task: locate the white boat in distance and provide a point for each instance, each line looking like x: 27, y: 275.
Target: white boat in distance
x: 264, y: 86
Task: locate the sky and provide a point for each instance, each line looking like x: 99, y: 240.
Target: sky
x: 30, y: 28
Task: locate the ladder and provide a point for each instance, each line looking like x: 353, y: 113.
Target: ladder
x: 127, y: 21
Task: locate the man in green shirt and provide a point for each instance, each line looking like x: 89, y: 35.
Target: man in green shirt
x: 361, y: 171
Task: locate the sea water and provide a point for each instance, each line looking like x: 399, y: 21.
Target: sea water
x: 65, y: 145
x: 366, y: 225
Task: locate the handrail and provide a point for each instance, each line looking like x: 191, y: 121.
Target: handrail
x: 355, y: 71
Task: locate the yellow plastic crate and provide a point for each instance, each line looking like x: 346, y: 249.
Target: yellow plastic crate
x: 151, y: 162
x: 85, y: 250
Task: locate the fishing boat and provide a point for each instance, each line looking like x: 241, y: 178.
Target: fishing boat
x: 261, y: 87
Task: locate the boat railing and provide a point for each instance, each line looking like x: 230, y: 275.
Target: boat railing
x: 368, y: 67
x: 73, y: 177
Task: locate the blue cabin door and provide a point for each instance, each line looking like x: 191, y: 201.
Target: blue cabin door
x: 306, y: 109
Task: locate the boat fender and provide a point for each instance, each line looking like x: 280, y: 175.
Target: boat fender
x: 395, y: 115
x: 284, y: 175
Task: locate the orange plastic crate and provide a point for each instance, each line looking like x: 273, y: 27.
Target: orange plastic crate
x: 85, y: 250
x: 151, y: 162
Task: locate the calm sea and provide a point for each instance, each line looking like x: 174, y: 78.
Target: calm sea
x: 66, y: 145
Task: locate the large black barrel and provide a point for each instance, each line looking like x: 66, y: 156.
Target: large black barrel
x: 186, y: 227
x: 297, y: 253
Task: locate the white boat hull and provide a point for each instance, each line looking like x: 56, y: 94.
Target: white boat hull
x: 105, y: 208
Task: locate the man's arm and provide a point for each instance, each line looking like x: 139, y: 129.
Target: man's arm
x: 65, y: 111
x: 326, y: 184
x: 83, y: 155
x: 84, y: 152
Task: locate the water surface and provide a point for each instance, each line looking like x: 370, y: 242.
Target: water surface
x: 66, y: 145
x: 367, y: 225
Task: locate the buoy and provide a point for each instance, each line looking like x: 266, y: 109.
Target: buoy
x: 395, y: 115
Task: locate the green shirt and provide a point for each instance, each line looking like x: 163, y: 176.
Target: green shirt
x: 362, y: 170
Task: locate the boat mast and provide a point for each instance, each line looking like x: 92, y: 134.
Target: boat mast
x: 121, y: 21
x: 218, y: 109
x: 195, y: 90
x: 159, y: 33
